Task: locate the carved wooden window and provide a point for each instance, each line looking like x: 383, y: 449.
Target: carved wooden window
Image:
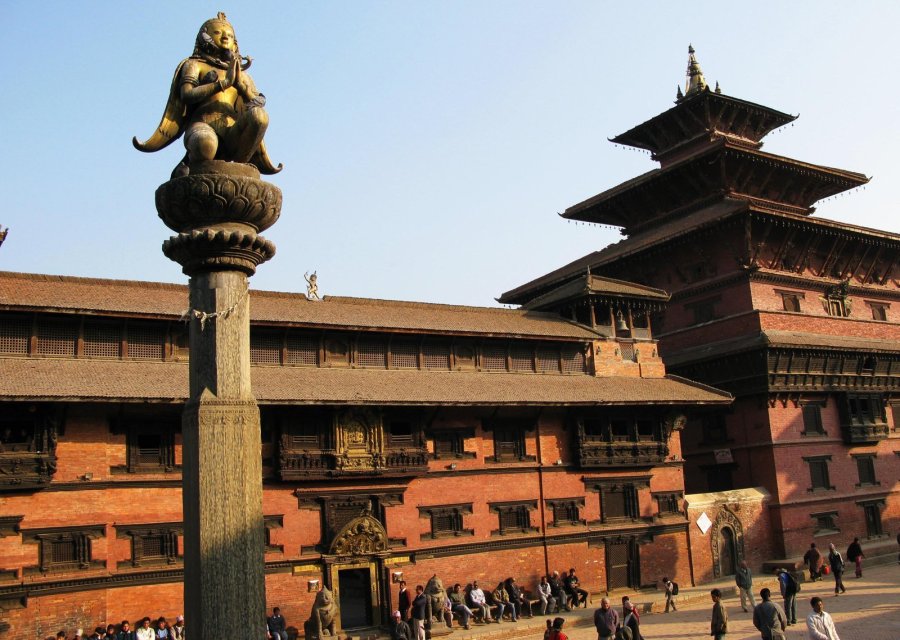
x: 17, y: 435
x: 668, y: 503
x: 646, y: 430
x: 566, y: 511
x: 493, y: 357
x: 302, y: 350
x: 152, y: 544
x: 451, y: 443
x: 865, y: 467
x: 812, y: 419
x: 64, y: 549
x: 271, y: 523
x: 436, y: 355
x: 401, y: 433
x: 594, y: 429
x: 818, y: 473
x: 464, y: 355
x: 547, y: 359
x: 102, y: 340
x: 825, y: 523
x: 337, y: 351
x: 836, y: 307
x: 614, y: 503
x: 446, y: 520
x: 56, y: 337
x: 513, y: 517
x: 620, y: 430
x: 572, y: 359
x: 146, y: 342
x: 509, y: 442
x: 866, y: 409
x: 521, y: 357
x: 150, y: 447
x: 405, y: 354
x: 15, y: 335
x: 872, y: 514
x: 265, y: 347
x: 371, y: 352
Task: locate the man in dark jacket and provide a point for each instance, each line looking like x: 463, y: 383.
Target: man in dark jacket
x: 403, y: 601
x: 399, y: 629
x: 556, y: 589
x: 125, y: 632
x: 576, y: 594
x: 419, y: 612
x: 769, y: 618
x: 788, y: 586
x: 813, y: 560
x: 837, y: 568
x: 606, y: 620
x: 277, y: 625
x: 855, y: 555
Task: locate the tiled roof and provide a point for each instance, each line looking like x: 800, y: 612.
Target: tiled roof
x: 123, y: 297
x: 597, y: 286
x: 130, y: 381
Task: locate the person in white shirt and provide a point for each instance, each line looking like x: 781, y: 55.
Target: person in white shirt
x: 819, y: 622
x: 480, y: 602
x: 548, y: 602
x: 145, y: 631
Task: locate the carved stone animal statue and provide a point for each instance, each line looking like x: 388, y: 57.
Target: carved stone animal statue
x: 434, y: 590
x: 323, y: 617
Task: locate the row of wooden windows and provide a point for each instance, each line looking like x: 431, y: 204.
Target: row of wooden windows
x: 380, y: 352
x: 60, y: 338
x: 799, y: 362
x: 819, y: 477
x: 827, y: 523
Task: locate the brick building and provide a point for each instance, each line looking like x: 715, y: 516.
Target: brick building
x: 398, y: 438
x: 797, y: 316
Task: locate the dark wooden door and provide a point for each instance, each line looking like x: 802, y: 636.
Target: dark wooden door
x: 617, y: 570
x: 355, y: 598
x: 727, y: 552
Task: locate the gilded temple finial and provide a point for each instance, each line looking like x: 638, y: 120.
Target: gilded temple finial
x: 695, y: 81
x: 214, y: 103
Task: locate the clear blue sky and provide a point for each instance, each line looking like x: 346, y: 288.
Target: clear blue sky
x: 428, y: 146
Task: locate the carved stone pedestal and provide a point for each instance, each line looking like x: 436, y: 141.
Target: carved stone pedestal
x: 218, y: 211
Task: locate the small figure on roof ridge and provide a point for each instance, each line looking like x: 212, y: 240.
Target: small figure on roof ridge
x: 312, y: 286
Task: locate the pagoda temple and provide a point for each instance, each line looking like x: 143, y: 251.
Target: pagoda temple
x: 797, y: 316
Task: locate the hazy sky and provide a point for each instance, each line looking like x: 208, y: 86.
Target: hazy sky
x: 428, y: 146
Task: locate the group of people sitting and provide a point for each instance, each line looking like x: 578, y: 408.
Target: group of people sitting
x: 146, y: 629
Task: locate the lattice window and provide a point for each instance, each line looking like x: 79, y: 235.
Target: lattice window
x: 614, y: 504
x: 371, y: 352
x: 547, y: 359
x: 521, y: 357
x: 446, y: 520
x: 152, y: 544
x: 493, y: 357
x: 62, y: 550
x: 265, y: 348
x: 436, y: 356
x: 572, y: 360
x: 150, y: 448
x: 404, y: 354
x: 667, y: 503
x: 825, y: 522
x: 146, y: 342
x: 102, y: 340
x: 509, y: 444
x: 15, y: 334
x: 565, y: 512
x: 627, y: 350
x: 303, y: 350
x: 56, y: 338
x: 513, y: 517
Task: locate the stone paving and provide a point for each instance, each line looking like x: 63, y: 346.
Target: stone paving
x: 869, y: 610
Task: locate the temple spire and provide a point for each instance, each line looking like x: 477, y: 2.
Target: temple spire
x: 695, y: 81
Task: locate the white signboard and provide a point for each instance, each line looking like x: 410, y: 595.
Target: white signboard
x: 704, y: 523
x: 723, y: 456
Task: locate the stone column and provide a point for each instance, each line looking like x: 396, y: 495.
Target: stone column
x: 218, y: 211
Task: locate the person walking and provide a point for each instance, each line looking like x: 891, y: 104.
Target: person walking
x: 789, y: 588
x: 744, y: 580
x: 819, y: 622
x: 630, y: 618
x: 836, y: 562
x: 813, y: 560
x: 718, y: 623
x: 769, y: 618
x: 855, y: 555
x: 669, y: 586
x: 606, y: 620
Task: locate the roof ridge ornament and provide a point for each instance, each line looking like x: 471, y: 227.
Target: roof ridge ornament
x: 695, y: 82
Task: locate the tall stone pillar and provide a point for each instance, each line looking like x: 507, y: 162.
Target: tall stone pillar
x: 218, y: 211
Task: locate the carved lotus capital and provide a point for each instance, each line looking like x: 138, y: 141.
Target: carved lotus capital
x: 218, y: 249
x: 216, y: 193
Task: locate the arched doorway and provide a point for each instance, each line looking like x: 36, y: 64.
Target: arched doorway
x: 727, y: 542
x: 727, y: 552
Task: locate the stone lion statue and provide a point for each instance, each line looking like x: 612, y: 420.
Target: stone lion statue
x: 434, y: 590
x: 323, y: 616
